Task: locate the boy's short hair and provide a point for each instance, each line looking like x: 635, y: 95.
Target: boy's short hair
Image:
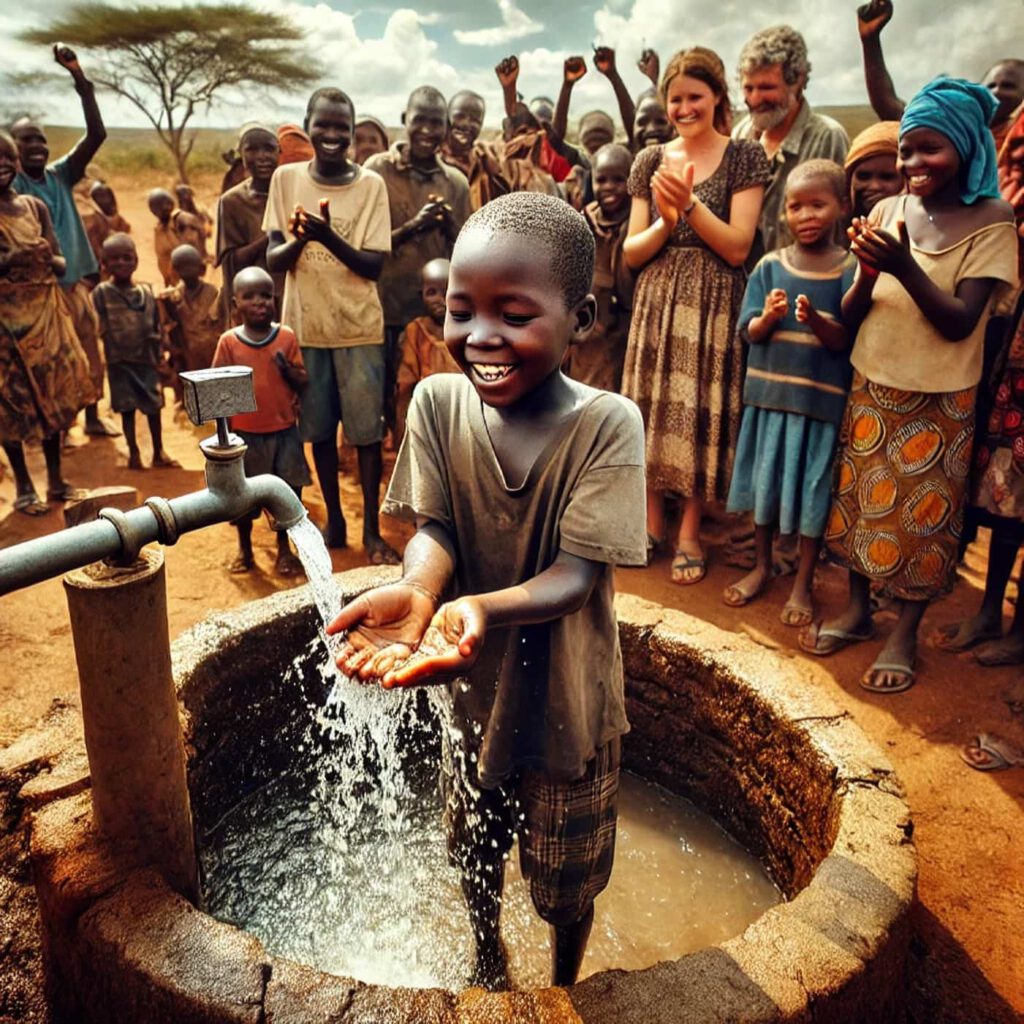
x: 331, y: 95
x: 827, y: 170
x: 551, y: 222
x: 612, y: 149
x: 428, y: 94
x: 117, y: 238
x: 249, y: 275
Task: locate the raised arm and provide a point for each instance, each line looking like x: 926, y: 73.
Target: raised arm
x: 604, y: 61
x: 573, y: 70
x: 507, y: 71
x: 95, y: 131
x: 871, y: 19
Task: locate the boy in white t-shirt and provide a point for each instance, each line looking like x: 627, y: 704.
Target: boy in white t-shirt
x: 332, y: 259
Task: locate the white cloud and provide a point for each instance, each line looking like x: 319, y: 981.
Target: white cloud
x: 515, y: 24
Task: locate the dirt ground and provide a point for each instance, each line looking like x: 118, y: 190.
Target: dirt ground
x: 968, y: 952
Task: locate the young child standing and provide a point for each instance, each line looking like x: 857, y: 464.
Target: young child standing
x: 130, y: 330
x: 798, y: 375
x: 598, y: 360
x: 101, y: 217
x: 44, y: 373
x: 422, y: 343
x: 173, y: 227
x: 241, y: 240
x: 278, y: 376
x: 871, y: 171
x: 526, y: 488
x: 932, y: 263
x: 192, y: 311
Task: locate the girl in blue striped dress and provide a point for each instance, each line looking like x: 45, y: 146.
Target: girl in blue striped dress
x: 797, y: 380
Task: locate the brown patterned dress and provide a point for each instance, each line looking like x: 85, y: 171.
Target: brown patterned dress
x: 684, y: 361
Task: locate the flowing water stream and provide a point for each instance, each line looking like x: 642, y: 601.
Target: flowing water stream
x: 341, y: 864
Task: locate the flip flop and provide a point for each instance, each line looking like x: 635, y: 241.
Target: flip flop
x: 796, y: 615
x: 736, y: 597
x: 907, y: 671
x: 836, y: 639
x: 66, y: 492
x: 989, y: 753
x: 30, y: 505
x: 681, y: 562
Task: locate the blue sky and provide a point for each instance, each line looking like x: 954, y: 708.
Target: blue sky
x: 379, y: 50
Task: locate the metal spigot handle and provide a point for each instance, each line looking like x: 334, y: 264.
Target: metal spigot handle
x: 217, y: 394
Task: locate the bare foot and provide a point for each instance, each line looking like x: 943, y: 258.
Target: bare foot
x: 335, y: 533
x: 745, y: 590
x: 1007, y: 650
x: 379, y: 552
x: 961, y: 636
x: 161, y: 460
x: 241, y: 563
x: 135, y: 459
x: 287, y: 564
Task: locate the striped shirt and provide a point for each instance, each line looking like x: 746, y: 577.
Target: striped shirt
x: 792, y: 371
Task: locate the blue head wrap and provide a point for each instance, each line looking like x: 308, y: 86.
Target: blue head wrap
x: 961, y: 111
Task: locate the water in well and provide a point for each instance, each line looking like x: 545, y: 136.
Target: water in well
x: 340, y: 863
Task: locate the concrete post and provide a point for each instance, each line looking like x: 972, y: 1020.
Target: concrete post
x: 130, y: 710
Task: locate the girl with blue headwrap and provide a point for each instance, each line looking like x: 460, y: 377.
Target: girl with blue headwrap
x: 932, y: 264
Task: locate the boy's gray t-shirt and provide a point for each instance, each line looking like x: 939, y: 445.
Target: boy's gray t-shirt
x: 542, y: 696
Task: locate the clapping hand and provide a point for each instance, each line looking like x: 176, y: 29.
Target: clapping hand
x: 879, y: 251
x: 308, y: 227
x: 776, y: 305
x: 673, y: 191
x: 873, y: 17
x: 573, y: 69
x: 805, y: 311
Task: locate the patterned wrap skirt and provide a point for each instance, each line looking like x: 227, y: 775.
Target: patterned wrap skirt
x: 899, y: 486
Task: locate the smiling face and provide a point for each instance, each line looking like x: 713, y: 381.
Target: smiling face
x: 467, y: 119
x: 508, y: 324
x: 330, y: 131
x: 691, y: 105
x: 260, y: 151
x: 426, y: 122
x: 367, y: 141
x: 103, y: 197
x: 8, y: 163
x: 120, y: 258
x: 1006, y: 83
x: 610, y: 174
x: 651, y: 126
x: 812, y: 209
x: 768, y: 96
x: 929, y: 162
x: 33, y: 149
x: 872, y: 180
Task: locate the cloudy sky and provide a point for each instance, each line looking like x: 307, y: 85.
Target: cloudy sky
x: 379, y: 50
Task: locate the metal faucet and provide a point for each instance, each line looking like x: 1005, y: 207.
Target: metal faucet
x: 117, y: 536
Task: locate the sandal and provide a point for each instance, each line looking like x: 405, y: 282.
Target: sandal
x: 736, y: 596
x: 682, y: 563
x: 30, y: 505
x: 66, y: 492
x: 796, y: 615
x: 869, y: 680
x: 835, y: 639
x: 989, y: 753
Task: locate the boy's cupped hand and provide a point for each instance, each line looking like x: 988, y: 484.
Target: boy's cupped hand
x: 390, y: 619
x: 309, y: 227
x: 449, y: 647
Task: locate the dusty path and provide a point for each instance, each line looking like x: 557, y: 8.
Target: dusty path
x: 969, y: 950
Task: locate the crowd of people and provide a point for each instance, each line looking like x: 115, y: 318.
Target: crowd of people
x: 824, y: 336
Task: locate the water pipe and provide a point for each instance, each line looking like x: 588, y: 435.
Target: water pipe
x: 117, y: 537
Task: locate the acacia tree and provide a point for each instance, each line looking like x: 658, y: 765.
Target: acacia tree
x: 172, y: 61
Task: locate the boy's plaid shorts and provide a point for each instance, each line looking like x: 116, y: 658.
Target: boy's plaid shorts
x: 566, y: 830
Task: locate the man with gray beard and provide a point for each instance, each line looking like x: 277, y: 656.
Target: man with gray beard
x: 773, y: 72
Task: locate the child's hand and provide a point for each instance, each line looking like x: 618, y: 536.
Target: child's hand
x: 573, y: 69
x: 776, y: 304
x: 449, y: 647
x: 604, y: 60
x: 308, y: 227
x: 392, y: 618
x: 873, y: 17
x: 881, y: 252
x: 805, y: 310
x: 674, y: 192
x: 507, y: 71
x: 650, y: 65
x: 67, y: 58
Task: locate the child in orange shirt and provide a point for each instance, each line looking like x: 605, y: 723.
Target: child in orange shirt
x: 422, y: 342
x: 271, y: 435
